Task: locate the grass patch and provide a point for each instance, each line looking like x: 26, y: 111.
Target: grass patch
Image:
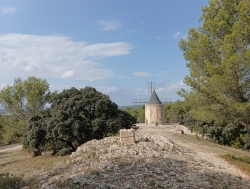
x: 242, y: 163
x: 19, y: 162
x: 152, y: 184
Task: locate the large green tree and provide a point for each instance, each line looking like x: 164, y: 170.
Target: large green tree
x: 75, y: 116
x: 1, y: 128
x: 218, y: 58
x: 25, y: 98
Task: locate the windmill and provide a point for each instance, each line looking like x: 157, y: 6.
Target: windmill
x: 151, y: 89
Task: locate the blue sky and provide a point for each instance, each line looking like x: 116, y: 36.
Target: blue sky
x: 116, y: 46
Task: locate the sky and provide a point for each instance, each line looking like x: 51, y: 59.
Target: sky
x: 115, y: 46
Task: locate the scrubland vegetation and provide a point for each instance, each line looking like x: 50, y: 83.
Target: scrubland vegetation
x: 216, y: 104
x: 72, y: 117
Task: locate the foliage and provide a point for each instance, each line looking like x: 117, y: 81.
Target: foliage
x: 218, y: 55
x: 175, y: 112
x: 229, y: 133
x: 10, y: 181
x: 21, y: 101
x: 138, y: 113
x: 224, y: 132
x: 1, y: 127
x: 25, y: 98
x: 75, y: 116
x: 11, y: 133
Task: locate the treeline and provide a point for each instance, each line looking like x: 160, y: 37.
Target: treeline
x: 138, y: 113
x: 214, y: 126
x: 57, y: 122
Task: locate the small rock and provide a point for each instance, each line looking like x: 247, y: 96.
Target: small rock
x: 105, y: 175
x: 179, y: 131
x: 172, y: 173
x: 128, y: 186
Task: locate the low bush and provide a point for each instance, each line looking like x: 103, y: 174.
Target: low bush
x: 10, y: 181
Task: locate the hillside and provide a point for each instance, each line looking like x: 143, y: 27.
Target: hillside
x: 159, y: 159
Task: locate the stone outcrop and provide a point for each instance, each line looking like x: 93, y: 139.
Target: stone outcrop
x: 179, y: 131
x: 154, y: 161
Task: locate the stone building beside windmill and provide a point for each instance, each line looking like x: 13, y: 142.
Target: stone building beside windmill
x: 154, y: 111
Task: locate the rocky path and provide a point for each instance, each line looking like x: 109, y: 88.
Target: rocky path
x: 11, y: 147
x: 200, y: 152
x: 159, y: 159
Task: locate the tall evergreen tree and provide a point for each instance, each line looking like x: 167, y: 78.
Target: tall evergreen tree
x: 218, y: 58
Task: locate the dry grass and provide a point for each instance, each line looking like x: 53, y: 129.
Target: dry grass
x: 210, y: 146
x: 21, y: 163
x: 243, y: 162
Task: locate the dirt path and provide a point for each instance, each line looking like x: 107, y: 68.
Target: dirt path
x: 11, y: 147
x: 199, y: 149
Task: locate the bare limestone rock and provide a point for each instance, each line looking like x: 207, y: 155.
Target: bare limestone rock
x: 179, y: 131
x: 127, y: 136
x: 154, y: 161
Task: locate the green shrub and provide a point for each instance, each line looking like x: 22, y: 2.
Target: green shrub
x: 62, y: 152
x: 95, y: 172
x: 10, y: 181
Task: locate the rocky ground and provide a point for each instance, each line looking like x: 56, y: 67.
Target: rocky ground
x: 160, y: 158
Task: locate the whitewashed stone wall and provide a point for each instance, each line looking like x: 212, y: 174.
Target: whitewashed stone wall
x: 154, y: 114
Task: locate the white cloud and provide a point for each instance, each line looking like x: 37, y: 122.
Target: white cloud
x: 137, y: 89
x: 175, y: 36
x: 156, y: 37
x: 68, y: 74
x: 2, y: 85
x: 142, y: 74
x: 140, y: 92
x: 28, y: 68
x: 165, y: 71
x: 61, y: 87
x: 173, y: 87
x: 123, y: 77
x: 107, y: 90
x: 8, y: 10
x: 109, y: 25
x: 55, y: 57
x: 162, y: 82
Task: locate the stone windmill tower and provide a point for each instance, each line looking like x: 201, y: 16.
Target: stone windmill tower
x: 154, y: 111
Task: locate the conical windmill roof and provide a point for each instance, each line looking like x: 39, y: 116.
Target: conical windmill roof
x: 154, y: 99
